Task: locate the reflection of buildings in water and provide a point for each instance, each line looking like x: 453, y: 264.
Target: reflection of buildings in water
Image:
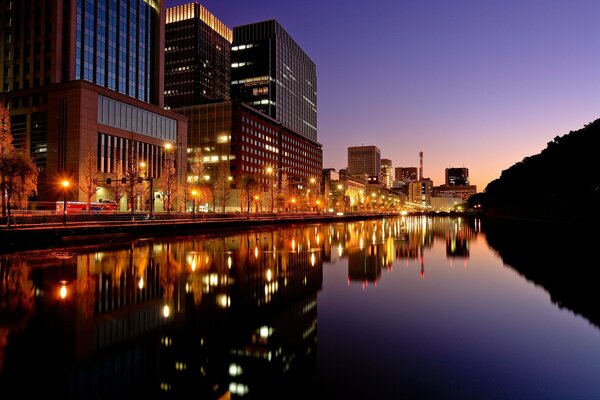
x: 257, y: 298
x: 271, y: 353
x: 365, y: 265
x: 88, y: 334
x: 457, y: 247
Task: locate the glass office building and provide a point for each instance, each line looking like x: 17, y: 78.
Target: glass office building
x: 271, y: 73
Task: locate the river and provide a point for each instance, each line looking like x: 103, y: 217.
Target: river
x: 411, y: 308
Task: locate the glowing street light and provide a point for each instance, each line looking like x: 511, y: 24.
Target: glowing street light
x: 65, y: 184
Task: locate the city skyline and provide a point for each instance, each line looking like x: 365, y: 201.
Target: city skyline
x: 474, y: 85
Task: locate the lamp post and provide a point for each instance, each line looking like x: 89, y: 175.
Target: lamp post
x: 194, y: 194
x: 65, y: 184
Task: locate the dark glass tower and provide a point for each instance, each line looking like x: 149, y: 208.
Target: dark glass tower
x: 271, y: 73
x: 197, y: 57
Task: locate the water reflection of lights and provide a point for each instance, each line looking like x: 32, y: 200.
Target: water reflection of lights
x: 340, y: 250
x: 312, y: 259
x: 269, y: 275
x: 238, y: 388
x: 255, y: 252
x: 166, y: 311
x: 293, y: 244
x: 224, y: 301
x: 235, y: 370
x: 62, y: 292
x: 141, y: 283
x: 265, y: 331
x: 229, y: 262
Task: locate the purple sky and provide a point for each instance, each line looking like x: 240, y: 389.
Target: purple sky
x: 479, y: 84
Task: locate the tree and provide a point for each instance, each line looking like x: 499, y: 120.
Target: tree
x: 117, y: 188
x: 19, y: 178
x: 222, y: 185
x: 131, y: 175
x: 6, y: 148
x: 89, y: 182
x: 248, y: 185
x: 168, y: 180
x: 283, y: 193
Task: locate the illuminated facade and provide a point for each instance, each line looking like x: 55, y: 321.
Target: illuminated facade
x: 364, y: 160
x: 197, y: 57
x: 271, y: 73
x: 236, y: 138
x: 387, y: 173
x: 83, y: 77
x: 420, y: 193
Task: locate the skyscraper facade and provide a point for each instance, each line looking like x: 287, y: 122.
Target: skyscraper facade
x: 364, y: 160
x: 271, y: 73
x: 83, y: 78
x: 197, y: 57
x: 387, y: 173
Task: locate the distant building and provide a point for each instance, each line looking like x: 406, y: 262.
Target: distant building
x: 406, y: 174
x: 454, y: 191
x: 271, y: 73
x: 387, y: 173
x: 457, y: 176
x: 197, y: 57
x: 364, y: 160
x: 420, y: 193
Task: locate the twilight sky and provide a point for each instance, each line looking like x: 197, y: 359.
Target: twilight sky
x: 474, y: 83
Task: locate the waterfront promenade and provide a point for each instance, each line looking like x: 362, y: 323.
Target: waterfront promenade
x: 33, y: 232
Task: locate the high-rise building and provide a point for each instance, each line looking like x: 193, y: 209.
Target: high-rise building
x: 271, y: 72
x: 86, y: 78
x: 364, y: 160
x: 406, y: 174
x: 420, y: 193
x: 197, y: 57
x: 457, y: 176
x: 387, y: 173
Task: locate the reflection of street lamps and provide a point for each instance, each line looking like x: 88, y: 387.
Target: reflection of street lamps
x: 65, y: 184
x: 194, y: 193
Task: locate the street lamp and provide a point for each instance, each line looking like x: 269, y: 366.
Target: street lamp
x: 194, y: 193
x: 65, y: 184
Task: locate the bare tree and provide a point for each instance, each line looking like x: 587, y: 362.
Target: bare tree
x: 132, y: 174
x: 222, y: 185
x: 168, y: 181
x: 117, y: 188
x: 248, y: 185
x: 89, y: 182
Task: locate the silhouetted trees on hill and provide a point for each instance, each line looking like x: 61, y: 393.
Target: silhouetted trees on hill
x: 562, y: 181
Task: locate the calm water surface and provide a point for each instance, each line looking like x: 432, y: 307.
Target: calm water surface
x: 394, y: 308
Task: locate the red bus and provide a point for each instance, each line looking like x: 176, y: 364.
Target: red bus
x: 80, y: 207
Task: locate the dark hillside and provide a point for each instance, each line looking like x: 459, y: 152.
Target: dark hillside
x: 562, y: 182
